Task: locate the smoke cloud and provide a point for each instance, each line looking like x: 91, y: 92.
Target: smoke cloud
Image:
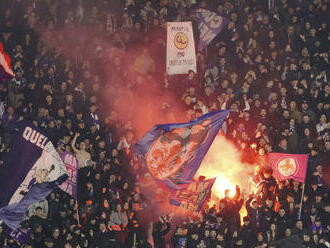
x: 142, y: 101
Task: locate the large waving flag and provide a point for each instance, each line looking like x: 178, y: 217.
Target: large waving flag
x: 173, y: 152
x: 210, y: 24
x: 5, y: 68
x: 193, y: 197
x: 30, y: 171
x: 289, y: 166
x: 71, y: 164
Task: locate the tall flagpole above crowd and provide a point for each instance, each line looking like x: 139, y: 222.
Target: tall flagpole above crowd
x: 301, y: 201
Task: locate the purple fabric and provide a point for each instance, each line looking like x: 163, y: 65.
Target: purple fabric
x: 173, y: 152
x: 20, y: 234
x: 13, y: 214
x: 71, y: 164
x: 210, y: 25
x: 27, y: 147
x: 22, y: 156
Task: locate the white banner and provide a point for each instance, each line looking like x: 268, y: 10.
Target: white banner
x: 181, y: 55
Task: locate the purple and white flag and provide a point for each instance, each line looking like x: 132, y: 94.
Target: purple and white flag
x: 29, y: 173
x: 71, y: 164
x: 210, y: 24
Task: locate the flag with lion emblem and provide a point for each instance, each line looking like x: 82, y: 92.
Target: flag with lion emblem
x: 173, y: 152
x: 289, y: 166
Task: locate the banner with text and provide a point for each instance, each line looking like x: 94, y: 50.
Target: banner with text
x: 210, y: 24
x: 29, y: 172
x: 20, y: 234
x: 71, y: 164
x: 181, y: 55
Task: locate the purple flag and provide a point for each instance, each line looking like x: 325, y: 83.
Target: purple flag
x: 20, y: 234
x: 210, y: 24
x: 71, y: 164
x: 173, y: 152
x: 30, y: 171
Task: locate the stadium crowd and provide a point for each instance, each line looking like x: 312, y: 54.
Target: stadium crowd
x: 269, y: 66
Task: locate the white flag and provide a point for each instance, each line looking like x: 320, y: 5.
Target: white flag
x: 181, y: 55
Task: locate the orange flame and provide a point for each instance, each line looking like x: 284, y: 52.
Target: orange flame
x: 223, y: 161
x: 243, y: 212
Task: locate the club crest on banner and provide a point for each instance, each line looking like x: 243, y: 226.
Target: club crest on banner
x: 287, y: 167
x: 170, y: 152
x: 180, y: 48
x: 181, y: 40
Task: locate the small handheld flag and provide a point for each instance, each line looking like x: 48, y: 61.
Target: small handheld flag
x: 289, y: 166
x: 193, y: 197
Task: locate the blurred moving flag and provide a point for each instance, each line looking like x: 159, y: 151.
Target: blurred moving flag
x: 6, y: 72
x: 210, y: 24
x: 30, y: 171
x: 71, y: 164
x: 289, y: 166
x: 193, y: 197
x: 173, y: 152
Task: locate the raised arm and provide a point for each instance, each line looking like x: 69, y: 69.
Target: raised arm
x: 73, y: 143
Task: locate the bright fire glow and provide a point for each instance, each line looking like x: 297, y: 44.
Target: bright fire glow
x: 223, y: 162
x: 221, y: 184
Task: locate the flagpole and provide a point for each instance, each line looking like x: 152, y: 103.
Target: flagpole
x: 77, y: 211
x: 301, y: 201
x: 134, y: 240
x: 302, y: 193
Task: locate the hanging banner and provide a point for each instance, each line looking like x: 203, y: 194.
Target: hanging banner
x: 181, y: 55
x: 71, y: 164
